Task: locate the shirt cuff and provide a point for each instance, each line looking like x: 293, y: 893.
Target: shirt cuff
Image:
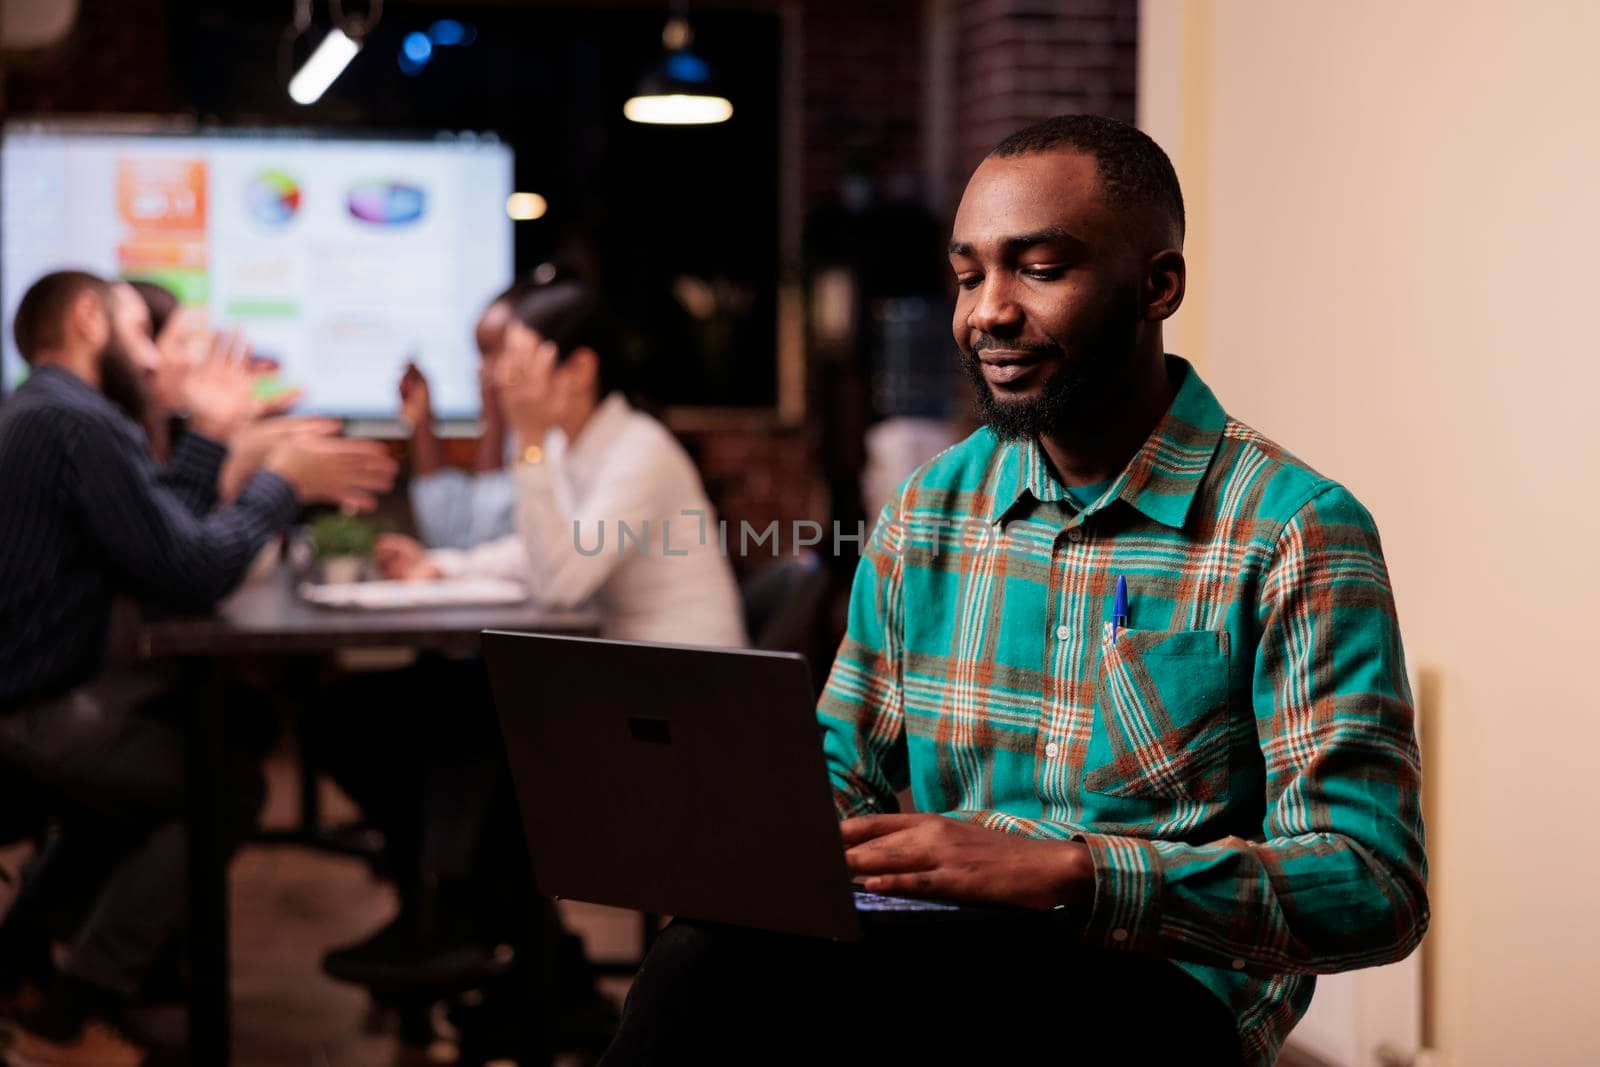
x: 197, y: 459
x: 270, y: 494
x: 1127, y: 893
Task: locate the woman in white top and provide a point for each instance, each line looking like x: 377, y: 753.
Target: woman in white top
x: 610, y: 509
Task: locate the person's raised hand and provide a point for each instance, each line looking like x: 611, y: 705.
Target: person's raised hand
x: 334, y: 470
x: 934, y: 856
x: 533, y: 396
x: 404, y: 558
x: 219, y: 391
x: 416, y: 402
x: 254, y: 442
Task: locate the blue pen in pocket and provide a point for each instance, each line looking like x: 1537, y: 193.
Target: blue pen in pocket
x: 1119, y: 608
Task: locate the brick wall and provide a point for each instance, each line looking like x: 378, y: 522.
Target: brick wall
x: 1018, y: 61
x: 862, y: 74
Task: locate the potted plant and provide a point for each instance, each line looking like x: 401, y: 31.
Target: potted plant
x: 343, y: 545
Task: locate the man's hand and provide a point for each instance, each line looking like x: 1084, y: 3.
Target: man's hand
x: 219, y: 392
x: 534, y: 396
x: 416, y: 403
x: 334, y: 470
x: 254, y: 442
x: 404, y: 557
x: 935, y: 856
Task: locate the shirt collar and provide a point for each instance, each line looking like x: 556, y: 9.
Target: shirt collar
x: 1160, y: 480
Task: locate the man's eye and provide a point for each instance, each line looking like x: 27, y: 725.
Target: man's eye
x: 969, y: 282
x: 1042, y: 274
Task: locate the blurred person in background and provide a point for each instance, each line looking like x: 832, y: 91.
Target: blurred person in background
x: 588, y: 463
x: 166, y: 341
x: 90, y: 514
x: 441, y: 793
x: 455, y: 508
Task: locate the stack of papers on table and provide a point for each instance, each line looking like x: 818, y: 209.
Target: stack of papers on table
x: 390, y: 595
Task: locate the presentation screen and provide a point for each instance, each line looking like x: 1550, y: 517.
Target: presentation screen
x: 340, y: 258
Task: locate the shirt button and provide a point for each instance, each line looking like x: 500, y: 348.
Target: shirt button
x: 1119, y: 935
x: 1052, y: 750
x: 1062, y: 633
x: 1238, y: 965
x: 1075, y: 534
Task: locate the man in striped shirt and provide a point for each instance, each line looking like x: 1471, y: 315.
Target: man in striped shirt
x: 86, y: 513
x: 1207, y: 793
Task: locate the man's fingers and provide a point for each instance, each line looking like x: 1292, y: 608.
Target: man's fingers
x: 866, y: 827
x: 888, y: 855
x: 281, y: 402
x: 310, y: 426
x: 367, y: 476
x: 917, y: 884
x: 238, y: 349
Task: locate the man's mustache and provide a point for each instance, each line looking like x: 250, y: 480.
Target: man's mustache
x: 984, y: 341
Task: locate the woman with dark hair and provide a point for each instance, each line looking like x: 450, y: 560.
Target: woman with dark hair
x: 590, y: 467
x: 584, y: 460
x: 161, y: 302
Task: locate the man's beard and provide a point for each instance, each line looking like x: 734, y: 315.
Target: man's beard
x: 1079, y: 385
x: 122, y: 381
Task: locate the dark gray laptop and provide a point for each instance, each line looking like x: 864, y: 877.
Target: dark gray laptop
x: 678, y: 780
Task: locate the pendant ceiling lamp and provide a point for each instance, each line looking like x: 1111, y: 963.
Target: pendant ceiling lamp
x: 333, y: 53
x: 680, y: 91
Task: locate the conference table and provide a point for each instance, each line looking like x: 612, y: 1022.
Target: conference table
x: 267, y: 618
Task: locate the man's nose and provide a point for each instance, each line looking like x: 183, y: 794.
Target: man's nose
x: 995, y: 312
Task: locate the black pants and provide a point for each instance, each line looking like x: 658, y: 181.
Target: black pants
x: 1010, y: 991
x: 109, y: 758
x: 420, y: 752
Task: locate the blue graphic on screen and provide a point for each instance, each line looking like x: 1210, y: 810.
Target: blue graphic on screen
x: 386, y: 203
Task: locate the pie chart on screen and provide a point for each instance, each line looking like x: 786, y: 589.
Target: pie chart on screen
x: 273, y: 197
x: 386, y: 203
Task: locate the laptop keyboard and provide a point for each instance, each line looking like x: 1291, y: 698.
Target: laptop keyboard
x: 878, y: 902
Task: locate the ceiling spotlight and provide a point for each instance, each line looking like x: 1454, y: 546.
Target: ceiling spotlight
x: 333, y: 53
x: 681, y: 90
x: 525, y: 207
x: 323, y: 68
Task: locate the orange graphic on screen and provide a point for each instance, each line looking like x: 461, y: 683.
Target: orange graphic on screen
x: 162, y: 202
x: 162, y: 194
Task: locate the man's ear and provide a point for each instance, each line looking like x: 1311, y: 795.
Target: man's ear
x: 1164, y: 280
x: 88, y: 318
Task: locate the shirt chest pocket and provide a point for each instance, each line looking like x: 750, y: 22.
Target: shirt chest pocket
x: 1161, y: 715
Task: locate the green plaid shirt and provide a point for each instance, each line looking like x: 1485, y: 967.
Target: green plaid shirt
x: 1240, y: 760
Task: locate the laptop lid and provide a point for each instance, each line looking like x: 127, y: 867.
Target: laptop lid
x: 680, y: 780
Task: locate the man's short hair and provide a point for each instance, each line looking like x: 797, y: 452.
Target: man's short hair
x: 1134, y: 171
x: 41, y: 322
